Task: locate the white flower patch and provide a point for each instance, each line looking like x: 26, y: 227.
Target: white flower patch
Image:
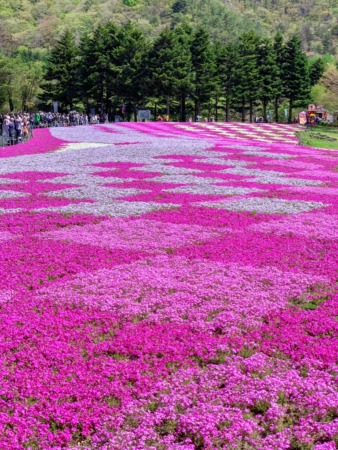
x: 253, y: 172
x: 185, y: 179
x: 100, y: 194
x: 221, y: 162
x: 212, y: 190
x: 271, y: 177
x: 243, y: 147
x: 288, y: 181
x: 265, y: 205
x: 5, y: 181
x: 123, y: 135
x: 10, y: 210
x: 268, y: 154
x: 80, y: 146
x: 12, y: 194
x: 164, y: 169
x: 166, y: 160
x: 236, y: 163
x: 86, y: 180
x: 113, y: 209
x: 294, y: 164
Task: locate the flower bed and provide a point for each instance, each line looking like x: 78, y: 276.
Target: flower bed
x: 168, y: 287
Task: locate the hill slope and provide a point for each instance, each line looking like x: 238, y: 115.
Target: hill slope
x: 38, y: 23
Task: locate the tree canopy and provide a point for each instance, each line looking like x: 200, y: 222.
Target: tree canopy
x: 117, y: 69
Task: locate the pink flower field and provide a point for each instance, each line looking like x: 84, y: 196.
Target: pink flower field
x: 168, y: 286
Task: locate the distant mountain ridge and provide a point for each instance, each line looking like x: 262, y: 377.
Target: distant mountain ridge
x: 39, y: 23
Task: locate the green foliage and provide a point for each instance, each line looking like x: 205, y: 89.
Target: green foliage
x: 247, y: 72
x: 316, y: 70
x: 295, y: 74
x: 167, y: 426
x: 322, y: 96
x: 61, y: 81
x: 169, y: 65
x: 19, y: 82
x: 203, y: 62
x: 319, y: 140
x: 279, y: 48
x: 40, y: 23
x: 260, y: 407
x: 269, y: 73
x: 179, y: 6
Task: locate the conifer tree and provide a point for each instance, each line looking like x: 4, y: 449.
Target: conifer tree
x: 269, y: 75
x: 204, y: 69
x: 61, y: 75
x: 316, y: 70
x: 169, y: 66
x: 161, y: 66
x: 226, y: 67
x: 295, y: 76
x: 279, y: 47
x: 99, y: 66
x: 184, y: 74
x: 247, y: 74
x: 131, y: 53
x: 86, y: 61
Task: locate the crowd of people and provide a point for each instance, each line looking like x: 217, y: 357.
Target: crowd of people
x: 16, y: 128
x: 44, y: 120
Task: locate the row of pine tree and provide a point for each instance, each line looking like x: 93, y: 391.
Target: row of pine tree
x: 182, y: 72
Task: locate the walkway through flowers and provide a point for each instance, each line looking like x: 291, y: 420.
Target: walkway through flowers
x: 165, y: 286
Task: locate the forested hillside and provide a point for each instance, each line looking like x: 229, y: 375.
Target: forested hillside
x: 39, y: 23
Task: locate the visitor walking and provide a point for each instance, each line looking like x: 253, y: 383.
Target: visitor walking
x: 18, y: 127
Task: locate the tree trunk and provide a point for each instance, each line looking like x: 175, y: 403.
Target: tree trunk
x: 183, y: 108
x: 243, y: 110
x: 264, y: 109
x: 251, y: 110
x: 227, y: 108
x: 276, y: 110
x: 108, y: 102
x: 129, y: 109
x: 290, y: 111
x: 184, y: 113
x: 135, y: 112
x: 10, y: 100
x: 197, y: 108
x: 168, y: 105
x: 216, y: 108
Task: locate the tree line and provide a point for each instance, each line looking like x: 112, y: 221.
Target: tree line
x: 182, y: 72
